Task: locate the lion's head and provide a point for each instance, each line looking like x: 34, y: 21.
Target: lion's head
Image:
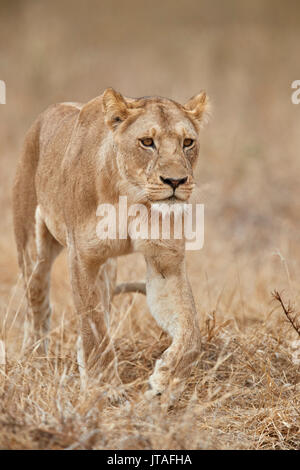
x: 156, y: 143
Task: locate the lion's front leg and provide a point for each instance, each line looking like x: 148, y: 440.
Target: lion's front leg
x: 93, y: 286
x: 171, y: 302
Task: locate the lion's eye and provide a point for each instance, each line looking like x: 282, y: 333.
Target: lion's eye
x: 147, y: 142
x: 188, y: 143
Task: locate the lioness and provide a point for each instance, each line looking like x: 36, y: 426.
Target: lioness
x: 77, y: 156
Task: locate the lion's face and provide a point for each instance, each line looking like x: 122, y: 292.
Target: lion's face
x: 156, y: 142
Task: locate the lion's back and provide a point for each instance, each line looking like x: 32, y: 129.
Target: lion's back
x: 39, y: 163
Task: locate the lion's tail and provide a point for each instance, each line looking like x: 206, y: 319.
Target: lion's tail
x: 139, y: 287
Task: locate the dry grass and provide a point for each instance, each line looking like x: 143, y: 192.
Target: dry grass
x: 245, y: 392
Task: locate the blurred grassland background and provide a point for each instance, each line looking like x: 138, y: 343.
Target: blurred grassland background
x: 245, y: 393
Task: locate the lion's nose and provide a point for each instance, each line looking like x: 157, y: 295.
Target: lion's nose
x: 173, y: 182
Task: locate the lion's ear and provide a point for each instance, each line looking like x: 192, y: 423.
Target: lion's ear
x: 199, y: 107
x: 114, y: 107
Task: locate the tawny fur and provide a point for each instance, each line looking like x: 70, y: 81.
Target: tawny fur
x: 76, y: 157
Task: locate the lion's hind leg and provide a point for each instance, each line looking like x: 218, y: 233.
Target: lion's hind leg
x: 36, y: 247
x: 36, y: 256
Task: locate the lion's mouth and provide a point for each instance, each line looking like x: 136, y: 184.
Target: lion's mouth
x: 170, y: 199
x: 173, y: 198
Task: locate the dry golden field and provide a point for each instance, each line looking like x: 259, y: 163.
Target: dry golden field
x: 245, y: 392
